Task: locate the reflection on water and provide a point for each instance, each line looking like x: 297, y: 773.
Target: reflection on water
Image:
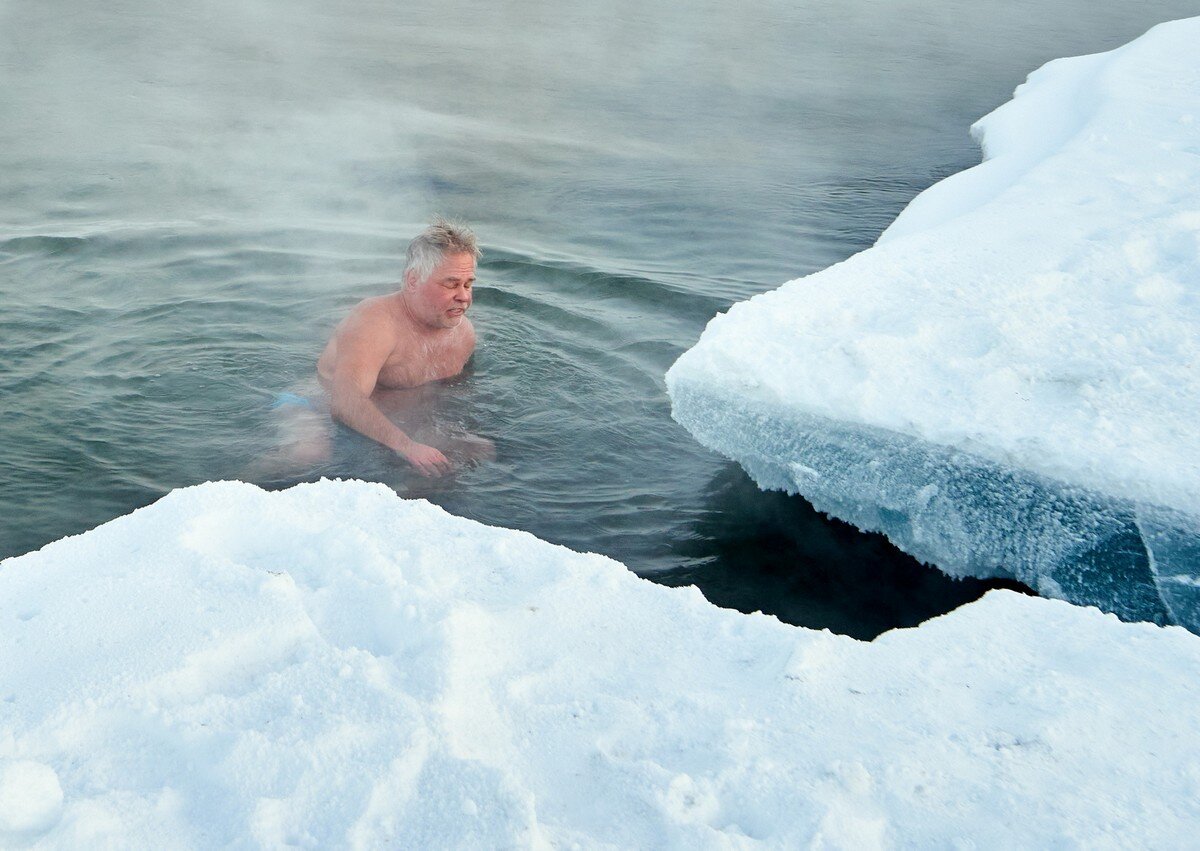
x: 194, y: 194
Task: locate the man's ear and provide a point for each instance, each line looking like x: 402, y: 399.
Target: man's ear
x: 410, y: 278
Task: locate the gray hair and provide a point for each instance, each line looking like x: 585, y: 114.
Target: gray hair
x: 434, y: 244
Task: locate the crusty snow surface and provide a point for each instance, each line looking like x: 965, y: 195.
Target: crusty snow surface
x: 1008, y: 382
x: 333, y: 666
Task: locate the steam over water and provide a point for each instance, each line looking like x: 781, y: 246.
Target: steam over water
x: 193, y: 194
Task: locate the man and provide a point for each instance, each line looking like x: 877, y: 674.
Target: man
x: 416, y: 335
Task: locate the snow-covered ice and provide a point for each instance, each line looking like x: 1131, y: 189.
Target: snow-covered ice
x: 333, y: 666
x: 1008, y: 382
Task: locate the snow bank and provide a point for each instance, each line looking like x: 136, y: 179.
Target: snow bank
x: 1008, y: 382
x: 332, y: 666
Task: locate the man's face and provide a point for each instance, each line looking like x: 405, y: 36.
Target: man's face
x: 442, y: 299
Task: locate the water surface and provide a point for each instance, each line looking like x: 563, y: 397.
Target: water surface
x: 194, y: 194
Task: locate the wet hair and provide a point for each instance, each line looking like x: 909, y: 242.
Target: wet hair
x: 434, y: 244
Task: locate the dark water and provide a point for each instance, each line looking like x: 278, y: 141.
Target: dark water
x: 193, y: 194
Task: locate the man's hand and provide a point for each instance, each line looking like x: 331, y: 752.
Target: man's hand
x: 427, y: 460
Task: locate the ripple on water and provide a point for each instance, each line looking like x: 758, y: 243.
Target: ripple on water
x: 41, y: 244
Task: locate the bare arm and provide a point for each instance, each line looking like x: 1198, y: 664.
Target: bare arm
x: 364, y: 343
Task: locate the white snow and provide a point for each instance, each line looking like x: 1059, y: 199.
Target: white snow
x: 30, y: 798
x: 1008, y: 382
x: 332, y: 666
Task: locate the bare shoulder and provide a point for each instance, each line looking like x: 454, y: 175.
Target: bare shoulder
x: 371, y: 321
x: 362, y: 341
x: 370, y: 311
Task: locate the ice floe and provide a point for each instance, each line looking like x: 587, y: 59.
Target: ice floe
x: 1008, y: 382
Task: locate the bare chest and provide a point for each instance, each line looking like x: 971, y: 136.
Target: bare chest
x: 416, y: 362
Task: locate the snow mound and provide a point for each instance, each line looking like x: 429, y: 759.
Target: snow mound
x: 1006, y: 384
x: 332, y: 666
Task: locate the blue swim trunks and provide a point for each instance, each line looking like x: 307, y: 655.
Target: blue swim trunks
x: 285, y: 399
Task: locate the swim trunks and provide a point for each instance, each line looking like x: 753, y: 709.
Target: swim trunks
x: 285, y: 399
